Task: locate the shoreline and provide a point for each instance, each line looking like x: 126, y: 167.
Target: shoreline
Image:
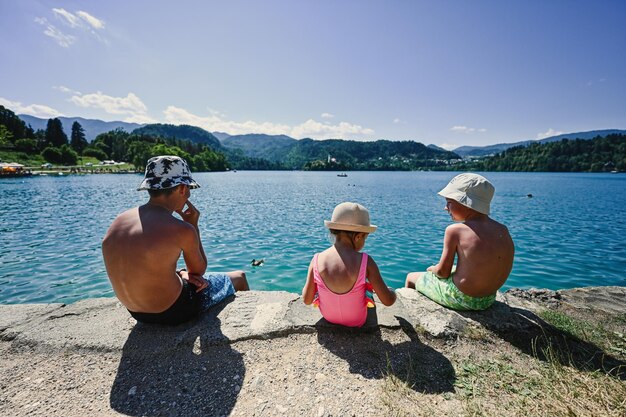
x: 266, y: 353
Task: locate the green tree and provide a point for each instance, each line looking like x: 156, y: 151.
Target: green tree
x: 52, y: 155
x: 95, y: 152
x: 55, y: 136
x: 68, y: 155
x: 14, y: 125
x: 5, y: 135
x: 26, y: 145
x: 138, y: 153
x: 78, y: 141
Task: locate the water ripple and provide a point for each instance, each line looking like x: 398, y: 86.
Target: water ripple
x: 569, y: 234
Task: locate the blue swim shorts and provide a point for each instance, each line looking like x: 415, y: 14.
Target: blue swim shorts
x: 220, y: 287
x: 191, y: 303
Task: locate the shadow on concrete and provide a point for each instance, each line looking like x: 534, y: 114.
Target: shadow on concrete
x: 421, y: 367
x: 187, y: 370
x: 536, y: 337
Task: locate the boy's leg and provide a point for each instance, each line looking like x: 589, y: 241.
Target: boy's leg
x: 239, y: 280
x: 412, y: 278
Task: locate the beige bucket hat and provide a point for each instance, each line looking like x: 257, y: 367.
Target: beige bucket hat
x: 471, y: 190
x: 351, y: 217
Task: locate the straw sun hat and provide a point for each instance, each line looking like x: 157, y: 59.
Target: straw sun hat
x: 471, y: 190
x: 351, y: 217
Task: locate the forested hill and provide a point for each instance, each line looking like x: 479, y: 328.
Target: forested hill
x: 270, y: 147
x: 579, y: 155
x: 480, y: 151
x: 339, y: 154
x: 378, y: 155
x: 181, y: 132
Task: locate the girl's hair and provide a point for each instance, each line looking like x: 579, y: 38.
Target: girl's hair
x: 335, y: 232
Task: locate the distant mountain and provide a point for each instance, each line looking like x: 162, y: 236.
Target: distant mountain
x: 480, y: 151
x: 380, y: 154
x: 92, y: 127
x: 599, y: 154
x: 221, y: 135
x: 435, y: 147
x: 350, y: 154
x: 184, y: 132
x: 270, y: 147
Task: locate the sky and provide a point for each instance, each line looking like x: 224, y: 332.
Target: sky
x: 448, y: 73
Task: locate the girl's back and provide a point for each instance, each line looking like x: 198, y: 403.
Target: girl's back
x: 341, y: 285
x: 339, y: 268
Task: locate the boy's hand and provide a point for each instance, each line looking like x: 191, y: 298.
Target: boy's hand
x: 190, y: 215
x: 197, y: 280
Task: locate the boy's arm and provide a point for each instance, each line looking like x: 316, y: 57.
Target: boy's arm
x: 450, y: 243
x: 191, y: 215
x: 387, y: 295
x: 195, y: 260
x: 308, y: 292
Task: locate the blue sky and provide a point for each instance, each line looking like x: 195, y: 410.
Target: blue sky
x: 449, y: 73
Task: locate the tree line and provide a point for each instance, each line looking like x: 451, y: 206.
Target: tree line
x: 52, y: 143
x: 206, y: 154
x: 55, y: 147
x: 579, y: 155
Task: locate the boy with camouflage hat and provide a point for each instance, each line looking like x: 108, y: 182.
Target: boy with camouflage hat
x: 143, y: 245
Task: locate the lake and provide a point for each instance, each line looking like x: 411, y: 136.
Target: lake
x: 569, y: 234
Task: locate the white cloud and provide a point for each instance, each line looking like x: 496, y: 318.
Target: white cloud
x: 550, y: 132
x: 37, y: 110
x: 317, y: 130
x: 327, y: 116
x: 461, y: 129
x: 79, y: 23
x: 310, y: 128
x: 131, y: 106
x: 465, y: 129
x: 396, y: 120
x: 65, y: 89
x: 66, y: 17
x: 61, y: 38
x: 448, y: 146
x: 94, y: 22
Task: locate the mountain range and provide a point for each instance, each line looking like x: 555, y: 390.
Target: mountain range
x: 480, y: 151
x: 92, y: 127
x: 271, y: 147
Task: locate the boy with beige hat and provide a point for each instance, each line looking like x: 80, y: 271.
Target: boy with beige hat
x: 483, y: 248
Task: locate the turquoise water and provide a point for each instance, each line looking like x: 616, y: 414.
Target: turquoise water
x: 570, y: 234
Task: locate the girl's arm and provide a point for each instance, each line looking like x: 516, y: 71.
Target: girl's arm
x: 387, y: 295
x: 450, y: 243
x: 310, y: 288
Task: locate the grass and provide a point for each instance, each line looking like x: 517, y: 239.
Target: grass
x: 612, y: 342
x: 35, y: 161
x: 22, y: 158
x: 513, y: 385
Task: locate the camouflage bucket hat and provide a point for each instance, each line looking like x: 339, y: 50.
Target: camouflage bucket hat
x: 163, y: 172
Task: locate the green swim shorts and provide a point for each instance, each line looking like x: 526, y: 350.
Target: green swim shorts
x: 444, y: 292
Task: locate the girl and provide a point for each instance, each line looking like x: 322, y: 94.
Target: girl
x: 337, y: 276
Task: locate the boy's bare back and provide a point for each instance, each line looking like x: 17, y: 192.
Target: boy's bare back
x: 140, y: 251
x: 485, y: 253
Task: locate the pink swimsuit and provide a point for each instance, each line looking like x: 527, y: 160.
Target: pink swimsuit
x: 349, y: 309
